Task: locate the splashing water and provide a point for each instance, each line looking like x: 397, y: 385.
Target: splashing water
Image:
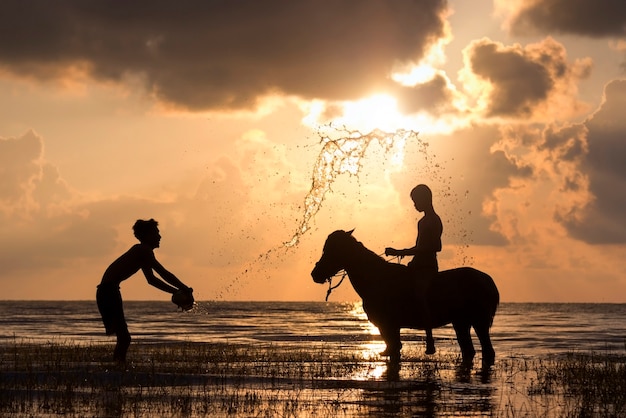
x: 342, y: 152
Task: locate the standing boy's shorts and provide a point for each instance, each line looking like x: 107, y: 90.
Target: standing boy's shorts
x: 109, y: 301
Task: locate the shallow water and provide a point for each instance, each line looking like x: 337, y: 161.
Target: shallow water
x: 519, y: 329
x: 288, y: 359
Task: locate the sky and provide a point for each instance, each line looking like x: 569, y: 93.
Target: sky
x: 215, y: 118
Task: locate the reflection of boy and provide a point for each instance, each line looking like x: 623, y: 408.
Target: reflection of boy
x: 139, y: 256
x: 424, y: 264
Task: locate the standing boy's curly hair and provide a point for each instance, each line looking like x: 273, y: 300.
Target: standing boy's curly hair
x: 142, y: 228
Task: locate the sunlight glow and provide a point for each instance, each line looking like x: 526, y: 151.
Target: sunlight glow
x: 419, y: 74
x: 371, y: 349
x: 381, y: 112
x: 378, y: 111
x: 426, y: 69
x: 377, y: 367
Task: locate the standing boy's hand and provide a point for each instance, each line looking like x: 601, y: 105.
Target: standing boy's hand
x: 183, y: 298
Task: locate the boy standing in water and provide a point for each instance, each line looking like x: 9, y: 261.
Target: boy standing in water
x: 139, y: 256
x: 424, y: 264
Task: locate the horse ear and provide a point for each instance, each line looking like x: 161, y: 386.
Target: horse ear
x: 351, y: 231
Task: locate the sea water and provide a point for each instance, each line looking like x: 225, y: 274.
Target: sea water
x: 519, y: 329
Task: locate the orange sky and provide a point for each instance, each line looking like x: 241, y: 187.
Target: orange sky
x: 210, y: 116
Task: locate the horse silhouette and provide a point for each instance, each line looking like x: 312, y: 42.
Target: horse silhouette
x: 393, y: 298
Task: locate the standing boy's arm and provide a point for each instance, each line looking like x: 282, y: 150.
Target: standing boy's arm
x: 168, y: 276
x: 149, y: 265
x: 156, y: 282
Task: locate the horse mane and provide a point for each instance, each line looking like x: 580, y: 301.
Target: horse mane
x: 379, y: 269
x: 345, y: 241
x: 367, y: 255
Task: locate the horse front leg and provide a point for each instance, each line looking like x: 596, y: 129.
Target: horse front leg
x: 391, y: 336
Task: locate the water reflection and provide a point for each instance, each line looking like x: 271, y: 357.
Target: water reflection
x: 374, y: 370
x: 419, y: 385
x: 422, y: 389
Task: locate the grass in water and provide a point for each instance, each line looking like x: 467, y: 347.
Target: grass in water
x: 196, y: 379
x: 592, y: 385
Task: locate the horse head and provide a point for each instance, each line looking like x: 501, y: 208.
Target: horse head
x: 332, y: 260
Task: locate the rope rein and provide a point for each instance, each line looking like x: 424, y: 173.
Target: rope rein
x: 330, y: 283
x: 343, y: 275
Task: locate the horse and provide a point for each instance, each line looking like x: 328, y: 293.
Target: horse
x: 393, y: 298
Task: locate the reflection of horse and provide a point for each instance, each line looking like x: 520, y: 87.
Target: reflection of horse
x: 394, y: 299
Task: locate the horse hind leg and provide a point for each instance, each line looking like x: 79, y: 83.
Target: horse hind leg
x: 489, y: 354
x: 464, y: 339
x: 430, y: 342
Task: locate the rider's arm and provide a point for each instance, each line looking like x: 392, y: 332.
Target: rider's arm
x: 400, y: 253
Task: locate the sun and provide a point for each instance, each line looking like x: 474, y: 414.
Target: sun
x: 376, y: 112
x: 379, y: 111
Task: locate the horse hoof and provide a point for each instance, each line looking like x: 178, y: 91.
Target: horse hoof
x: 488, y: 362
x: 431, y: 350
x: 394, y: 355
x: 467, y: 362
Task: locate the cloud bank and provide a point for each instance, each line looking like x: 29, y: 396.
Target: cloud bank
x: 579, y: 17
x: 201, y: 55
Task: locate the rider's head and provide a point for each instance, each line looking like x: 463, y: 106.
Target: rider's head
x: 422, y: 197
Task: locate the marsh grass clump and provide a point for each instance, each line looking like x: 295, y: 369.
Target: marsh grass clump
x: 591, y: 384
x: 190, y: 379
x: 234, y: 380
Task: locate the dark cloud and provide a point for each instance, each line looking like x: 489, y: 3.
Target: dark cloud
x: 433, y: 96
x: 604, y: 164
x: 522, y: 78
x: 221, y: 54
x: 579, y: 17
x: 565, y: 144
